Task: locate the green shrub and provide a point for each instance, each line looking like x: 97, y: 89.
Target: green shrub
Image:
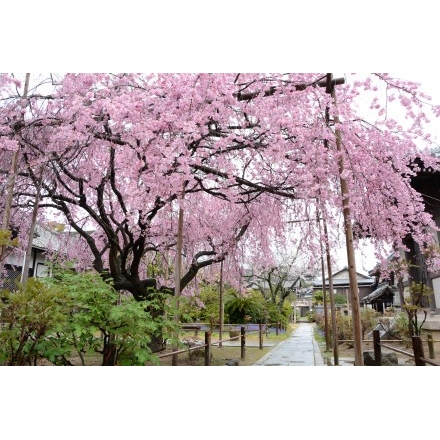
x: 242, y: 308
x: 78, y: 314
x: 369, y: 320
x: 402, y: 328
x: 344, y: 325
x: 31, y: 317
x: 311, y: 316
x: 415, y: 303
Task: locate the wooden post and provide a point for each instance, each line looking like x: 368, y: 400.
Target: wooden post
x: 418, y: 351
x: 177, y: 272
x: 276, y: 327
x: 351, y: 258
x: 431, y: 346
x: 332, y: 297
x: 324, y: 291
x: 207, y: 349
x: 260, y: 335
x: 221, y: 311
x: 27, y: 259
x: 243, y: 342
x: 11, y: 180
x: 377, y: 348
x: 13, y: 172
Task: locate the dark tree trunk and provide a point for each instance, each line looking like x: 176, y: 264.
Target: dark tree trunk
x: 109, y: 351
x: 158, y: 343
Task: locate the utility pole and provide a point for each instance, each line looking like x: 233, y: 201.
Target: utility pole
x: 345, y: 193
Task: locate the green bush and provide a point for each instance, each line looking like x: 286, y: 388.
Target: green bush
x: 402, y: 328
x: 104, y: 319
x: 203, y: 307
x: 79, y: 314
x: 31, y: 317
x: 344, y: 325
x: 242, y: 308
x: 369, y: 320
x: 415, y: 303
x: 318, y: 298
x: 339, y: 299
x: 312, y: 316
x: 273, y: 314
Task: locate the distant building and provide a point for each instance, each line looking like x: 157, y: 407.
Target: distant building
x: 44, y: 239
x: 341, y: 284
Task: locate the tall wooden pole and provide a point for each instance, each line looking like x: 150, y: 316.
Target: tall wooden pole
x: 177, y: 273
x: 13, y: 174
x: 324, y: 292
x: 14, y: 165
x: 345, y: 193
x: 332, y: 297
x: 27, y: 259
x: 222, y: 310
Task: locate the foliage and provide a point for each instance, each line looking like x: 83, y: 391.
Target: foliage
x: 7, y: 240
x: 419, y: 294
x: 369, y: 320
x: 54, y: 318
x: 344, y: 326
x: 402, y: 328
x: 102, y: 316
x: 242, y: 308
x: 340, y: 299
x: 318, y: 298
x: 311, y: 316
x: 277, y: 283
x: 273, y: 315
x: 31, y: 318
x: 204, y: 306
x: 285, y: 314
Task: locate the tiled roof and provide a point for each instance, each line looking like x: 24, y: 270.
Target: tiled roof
x: 381, y: 290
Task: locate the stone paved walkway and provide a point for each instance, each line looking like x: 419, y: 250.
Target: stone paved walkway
x: 300, y: 349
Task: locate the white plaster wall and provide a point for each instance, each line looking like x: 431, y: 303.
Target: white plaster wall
x: 436, y: 285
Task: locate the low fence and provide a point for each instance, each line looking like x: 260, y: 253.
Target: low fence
x: 208, y: 343
x: 417, y: 345
x: 267, y: 327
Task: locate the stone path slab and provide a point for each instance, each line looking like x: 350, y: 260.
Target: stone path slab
x: 300, y: 349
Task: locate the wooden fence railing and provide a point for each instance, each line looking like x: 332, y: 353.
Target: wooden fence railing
x: 417, y: 345
x: 208, y: 343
